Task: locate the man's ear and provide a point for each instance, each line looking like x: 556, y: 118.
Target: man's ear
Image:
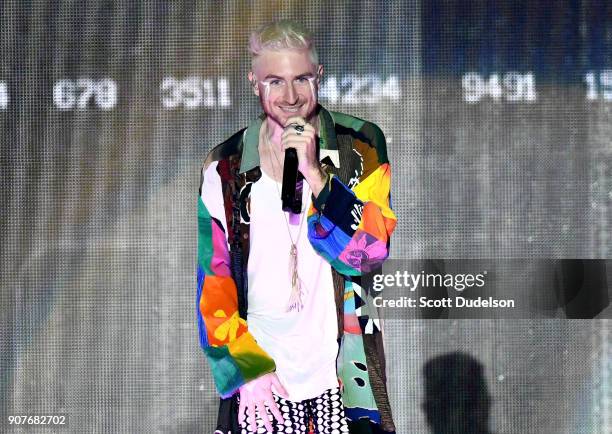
x: 253, y: 81
x: 319, y: 74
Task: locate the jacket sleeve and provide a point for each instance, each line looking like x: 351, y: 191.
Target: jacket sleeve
x: 351, y: 228
x: 232, y: 352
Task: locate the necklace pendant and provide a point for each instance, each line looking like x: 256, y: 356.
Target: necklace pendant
x: 295, y: 301
x: 293, y: 252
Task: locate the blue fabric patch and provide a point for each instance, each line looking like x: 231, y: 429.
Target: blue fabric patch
x: 201, y: 326
x: 332, y: 243
x: 355, y: 413
x: 342, y: 207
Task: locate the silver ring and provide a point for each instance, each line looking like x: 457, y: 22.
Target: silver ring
x: 299, y: 129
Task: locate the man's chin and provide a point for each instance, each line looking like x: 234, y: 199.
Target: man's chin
x: 284, y: 116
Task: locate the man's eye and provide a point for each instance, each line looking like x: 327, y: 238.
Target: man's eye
x: 275, y: 82
x: 302, y: 79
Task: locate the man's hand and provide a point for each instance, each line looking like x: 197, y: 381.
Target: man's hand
x: 305, y: 145
x: 258, y: 393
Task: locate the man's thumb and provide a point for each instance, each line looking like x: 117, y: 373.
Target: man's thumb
x: 280, y: 390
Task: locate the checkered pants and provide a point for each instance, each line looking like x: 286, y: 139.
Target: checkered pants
x: 323, y: 414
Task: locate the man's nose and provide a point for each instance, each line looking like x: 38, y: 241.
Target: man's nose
x: 291, y: 94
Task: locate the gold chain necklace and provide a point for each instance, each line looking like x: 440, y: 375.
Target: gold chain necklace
x: 295, y: 300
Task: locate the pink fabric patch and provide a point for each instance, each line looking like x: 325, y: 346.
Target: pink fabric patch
x: 220, y: 259
x: 351, y: 324
x: 363, y: 247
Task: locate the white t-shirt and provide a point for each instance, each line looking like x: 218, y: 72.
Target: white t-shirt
x: 302, y: 344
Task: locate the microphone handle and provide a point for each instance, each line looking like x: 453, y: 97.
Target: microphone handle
x: 290, y: 175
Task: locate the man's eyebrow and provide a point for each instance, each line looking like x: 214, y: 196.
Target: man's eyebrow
x: 305, y: 74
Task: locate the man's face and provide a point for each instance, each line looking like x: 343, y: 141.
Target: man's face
x: 287, y: 84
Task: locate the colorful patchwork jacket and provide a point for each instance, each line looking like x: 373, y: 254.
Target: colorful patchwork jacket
x: 349, y: 224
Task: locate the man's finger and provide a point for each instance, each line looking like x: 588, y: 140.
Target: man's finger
x: 241, y: 409
x: 295, y: 139
x: 293, y: 133
x: 292, y: 144
x: 305, y: 135
x: 298, y: 139
x: 280, y: 389
x: 263, y: 414
x: 276, y: 412
x: 252, y: 417
x: 309, y: 128
x: 295, y: 120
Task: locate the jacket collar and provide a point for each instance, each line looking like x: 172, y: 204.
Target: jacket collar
x: 328, y: 145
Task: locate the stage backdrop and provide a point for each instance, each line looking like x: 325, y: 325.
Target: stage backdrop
x: 498, y: 119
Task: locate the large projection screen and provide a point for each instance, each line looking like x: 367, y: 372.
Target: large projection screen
x: 498, y: 119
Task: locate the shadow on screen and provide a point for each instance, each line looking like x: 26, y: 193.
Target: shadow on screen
x: 456, y: 397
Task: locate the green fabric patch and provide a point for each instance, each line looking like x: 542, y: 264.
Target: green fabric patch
x: 327, y: 130
x: 205, y: 244
x: 352, y: 369
x: 347, y: 121
x: 225, y: 372
x: 345, y: 269
x: 250, y: 151
x: 254, y: 365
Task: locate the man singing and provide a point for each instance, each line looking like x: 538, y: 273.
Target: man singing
x: 289, y: 340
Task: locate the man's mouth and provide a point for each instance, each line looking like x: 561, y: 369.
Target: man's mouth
x: 290, y: 109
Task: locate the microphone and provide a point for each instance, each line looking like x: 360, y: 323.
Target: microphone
x: 292, y: 202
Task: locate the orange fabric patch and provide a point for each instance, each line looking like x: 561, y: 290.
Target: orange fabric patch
x: 373, y: 222
x: 219, y: 295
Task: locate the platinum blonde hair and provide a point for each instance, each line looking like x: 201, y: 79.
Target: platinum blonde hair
x: 281, y: 34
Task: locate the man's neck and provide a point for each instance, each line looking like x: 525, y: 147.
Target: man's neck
x: 274, y: 131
